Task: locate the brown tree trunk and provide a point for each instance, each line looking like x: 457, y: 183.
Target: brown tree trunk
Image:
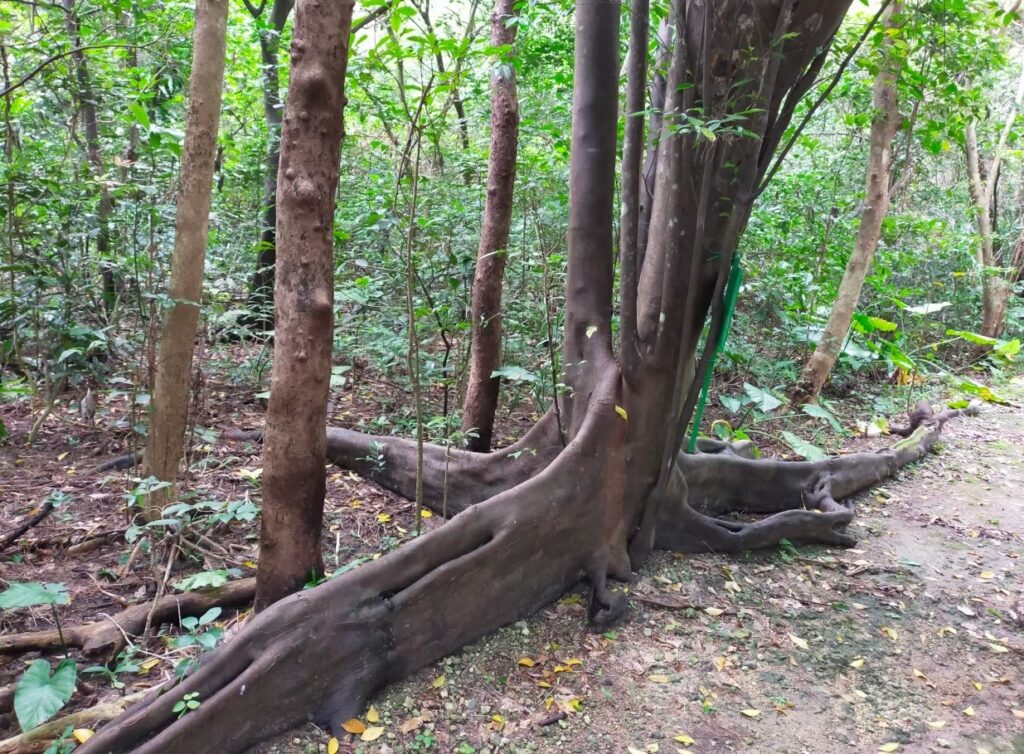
x: 169, y: 407
x: 877, y: 196
x: 537, y: 522
x: 485, y: 354
x: 85, y: 97
x: 261, y: 290
x: 294, y: 479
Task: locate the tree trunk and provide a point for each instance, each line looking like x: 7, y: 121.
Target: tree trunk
x: 169, y: 408
x: 261, y: 294
x: 877, y: 196
x: 294, y: 480
x: 538, y: 521
x: 485, y: 354
x: 85, y: 97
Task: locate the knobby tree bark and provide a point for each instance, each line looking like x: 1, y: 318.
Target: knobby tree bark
x: 169, y: 406
x: 485, y: 354
x: 261, y: 290
x: 533, y: 519
x: 996, y: 289
x: 294, y: 481
x: 85, y: 100
x: 877, y: 195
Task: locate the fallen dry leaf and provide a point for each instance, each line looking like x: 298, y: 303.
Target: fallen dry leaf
x: 372, y: 734
x: 354, y: 726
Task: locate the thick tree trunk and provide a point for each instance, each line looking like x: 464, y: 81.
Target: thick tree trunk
x: 86, y: 101
x: 294, y: 480
x: 485, y: 354
x: 884, y: 126
x: 594, y: 508
x: 261, y: 291
x: 169, y: 408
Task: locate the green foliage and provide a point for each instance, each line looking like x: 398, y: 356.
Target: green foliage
x: 42, y: 691
x: 33, y: 594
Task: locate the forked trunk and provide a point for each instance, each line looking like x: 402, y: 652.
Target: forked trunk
x: 884, y: 125
x: 485, y: 354
x: 169, y: 409
x: 294, y: 482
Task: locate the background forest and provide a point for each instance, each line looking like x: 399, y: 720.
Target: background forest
x: 883, y: 263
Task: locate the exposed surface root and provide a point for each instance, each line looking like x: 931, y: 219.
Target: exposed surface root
x: 108, y: 635
x: 37, y: 739
x: 799, y: 498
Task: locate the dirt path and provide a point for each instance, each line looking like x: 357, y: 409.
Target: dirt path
x: 912, y: 642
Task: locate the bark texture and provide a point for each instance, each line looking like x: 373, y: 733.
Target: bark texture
x: 485, y: 354
x: 169, y: 410
x: 884, y: 125
x: 261, y: 299
x: 294, y: 480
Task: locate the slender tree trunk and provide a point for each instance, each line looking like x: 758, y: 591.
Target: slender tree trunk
x: 87, y: 107
x: 657, y: 102
x: 261, y: 298
x: 169, y: 408
x: 294, y: 480
x: 877, y: 196
x: 485, y: 355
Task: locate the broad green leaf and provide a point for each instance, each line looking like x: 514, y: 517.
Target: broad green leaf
x: 39, y: 695
x: 205, y: 580
x: 33, y: 593
x: 516, y: 374
x: 973, y: 337
x: 820, y: 412
x: 807, y: 450
x: 764, y: 400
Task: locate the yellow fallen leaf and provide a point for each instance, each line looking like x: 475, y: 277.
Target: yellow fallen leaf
x: 658, y: 678
x: 383, y: 517
x: 250, y: 564
x: 82, y: 734
x: 438, y: 682
x: 983, y: 750
x: 969, y: 712
x: 333, y: 745
x: 801, y: 643
x: 751, y: 712
x: 714, y: 612
x: 622, y: 412
x: 979, y: 686
x: 573, y: 661
x: 354, y: 726
x: 148, y: 665
x: 526, y: 662
x: 721, y: 663
x: 633, y: 750
x: 936, y: 724
x: 889, y: 747
x: 684, y: 739
x: 987, y: 575
x: 372, y: 734
x: 372, y: 716
x: 1018, y: 713
x: 858, y: 663
x: 544, y: 684
x: 891, y: 632
x: 424, y: 513
x: 998, y: 648
x: 918, y: 673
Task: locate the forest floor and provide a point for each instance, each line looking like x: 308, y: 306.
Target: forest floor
x: 913, y: 641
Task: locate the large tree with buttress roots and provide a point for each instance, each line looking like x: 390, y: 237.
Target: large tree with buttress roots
x: 592, y: 488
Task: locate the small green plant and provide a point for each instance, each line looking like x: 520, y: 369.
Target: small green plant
x: 186, y: 704
x: 124, y: 663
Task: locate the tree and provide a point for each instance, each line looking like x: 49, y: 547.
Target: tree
x: 537, y: 517
x: 295, y: 439
x: 485, y: 355
x: 982, y: 185
x: 877, y: 196
x: 169, y: 408
x: 261, y: 296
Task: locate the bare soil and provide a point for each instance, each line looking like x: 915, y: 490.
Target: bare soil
x: 911, y: 642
